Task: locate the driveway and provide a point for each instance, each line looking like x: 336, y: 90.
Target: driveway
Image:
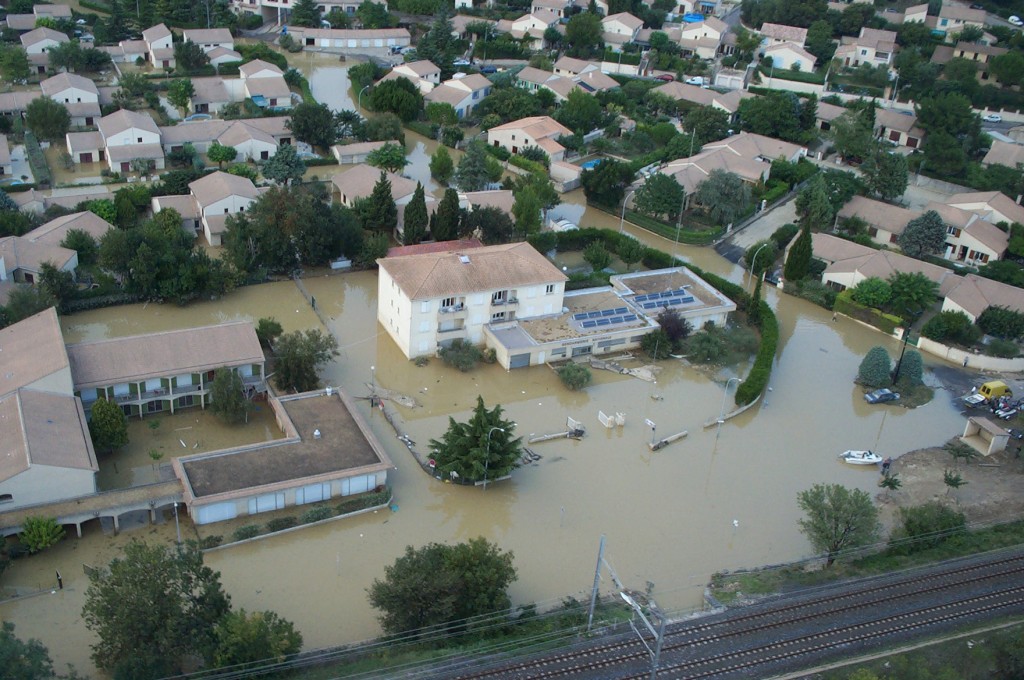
x: 733, y: 247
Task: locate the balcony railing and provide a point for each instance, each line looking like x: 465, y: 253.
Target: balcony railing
x: 452, y: 309
x: 448, y: 331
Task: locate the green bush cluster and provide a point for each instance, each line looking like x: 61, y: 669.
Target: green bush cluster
x: 207, y: 542
x: 575, y: 376
x: 887, y: 323
x: 281, y: 523
x: 875, y: 368
x: 461, y: 354
x: 317, y: 513
x: 926, y: 526
x: 951, y: 327
x: 527, y: 164
x: 246, y: 532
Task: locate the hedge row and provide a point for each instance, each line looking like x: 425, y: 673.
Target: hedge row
x: 315, y: 513
x: 886, y: 323
x: 760, y: 373
x: 527, y: 164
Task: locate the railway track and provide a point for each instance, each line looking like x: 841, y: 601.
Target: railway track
x: 788, y: 632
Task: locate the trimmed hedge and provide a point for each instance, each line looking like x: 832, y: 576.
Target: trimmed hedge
x: 428, y: 130
x: 527, y: 164
x: 887, y: 323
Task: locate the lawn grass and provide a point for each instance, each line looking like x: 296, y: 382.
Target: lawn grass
x: 699, y: 237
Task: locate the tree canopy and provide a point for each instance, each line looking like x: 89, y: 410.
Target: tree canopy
x: 398, y: 96
x: 606, y: 183
x: 47, y: 119
x: 228, y: 398
x: 314, y: 124
x: 390, y: 157
x: 417, y: 220
x: 108, y: 426
x: 482, y: 448
x: 660, y: 195
x: 837, y: 519
x: 284, y: 166
x: 924, y: 235
x: 583, y: 35
x: 299, y: 356
x: 724, y: 195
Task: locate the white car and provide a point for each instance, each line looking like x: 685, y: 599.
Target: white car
x: 1015, y: 20
x: 461, y: 62
x: 992, y: 118
x: 695, y: 80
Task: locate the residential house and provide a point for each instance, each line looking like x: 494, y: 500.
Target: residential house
x: 826, y: 114
x: 778, y: 34
x: 728, y: 102
x: 14, y: 103
x: 78, y: 95
x: 209, y: 38
x: 560, y: 8
x: 899, y: 128
x: 351, y: 41
x: 26, y: 22
x: 918, y: 13
x: 703, y: 38
x: 530, y: 28
x: 268, y: 92
x: 423, y: 74
x: 218, y: 195
x: 539, y: 131
x: 790, y: 56
x: 202, y: 133
x: 589, y: 81
x: 127, y: 51
x: 210, y: 95
x: 6, y: 167
x: 571, y: 67
x: 463, y: 92
x: 251, y: 142
x: 848, y: 263
x: 461, y: 22
x: 953, y: 19
x: 428, y: 300
x: 994, y: 206
x: 873, y: 46
x: 885, y: 222
x: 349, y: 154
x: 128, y: 136
x: 969, y: 238
x: 159, y: 45
x: 185, y: 206
x: 257, y: 68
x: 358, y: 182
x: 973, y: 294
x: 166, y: 371
x: 46, y: 453
x: 39, y: 40
x: 219, y: 56
x: 56, y: 230
x: 22, y: 260
x: 35, y: 202
x: 501, y: 199
x: 620, y: 29
x: 979, y: 53
x: 1004, y: 153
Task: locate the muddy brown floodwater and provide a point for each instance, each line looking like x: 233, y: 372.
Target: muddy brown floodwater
x: 669, y: 516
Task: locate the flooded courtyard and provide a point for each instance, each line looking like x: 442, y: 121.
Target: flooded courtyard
x: 669, y: 516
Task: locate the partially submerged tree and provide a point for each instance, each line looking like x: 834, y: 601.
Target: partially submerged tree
x: 798, y: 263
x: 482, y: 448
x: 574, y: 376
x: 417, y: 219
x: 390, y: 157
x: 837, y: 519
x: 228, y: 398
x: 724, y: 195
x: 108, y: 426
x: 246, y: 640
x: 300, y: 355
x: 284, y: 166
x: 876, y: 368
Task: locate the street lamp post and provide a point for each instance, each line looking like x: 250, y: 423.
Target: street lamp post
x: 721, y: 412
x: 487, y: 457
x: 622, y: 217
x: 753, y: 262
x: 359, y: 99
x: 906, y: 339
x: 177, y: 527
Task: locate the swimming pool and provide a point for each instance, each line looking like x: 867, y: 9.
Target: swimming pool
x: 590, y: 165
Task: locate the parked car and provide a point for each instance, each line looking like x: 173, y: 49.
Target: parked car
x: 881, y: 396
x: 1015, y: 20
x: 488, y: 69
x: 667, y: 77
x: 977, y: 6
x: 695, y: 80
x: 992, y: 118
x: 461, y: 62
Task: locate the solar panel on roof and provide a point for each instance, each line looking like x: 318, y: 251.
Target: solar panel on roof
x: 666, y: 294
x: 629, y: 317
x: 650, y: 305
x: 687, y: 298
x: 603, y: 322
x: 594, y: 315
x: 590, y: 324
x: 621, y: 310
x: 579, y: 317
x: 615, y: 319
x: 607, y: 312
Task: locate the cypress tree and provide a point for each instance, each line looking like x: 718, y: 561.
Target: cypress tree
x: 381, y: 214
x: 446, y: 224
x: 416, y: 219
x: 798, y: 264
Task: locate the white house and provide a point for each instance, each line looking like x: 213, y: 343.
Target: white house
x: 464, y: 93
x: 428, y: 300
x: 973, y: 294
x: 776, y: 34
x: 127, y: 136
x: 790, y: 56
x: 218, y: 195
x: 56, y: 230
x: 46, y: 453
x: 209, y: 38
x: 351, y: 41
x: 530, y: 28
x: 78, y: 95
x: 423, y: 74
x: 257, y: 68
x: 619, y: 29
x: 251, y: 142
x: 42, y: 39
x: 358, y: 182
x: 873, y: 46
x: 158, y: 42
x: 539, y: 131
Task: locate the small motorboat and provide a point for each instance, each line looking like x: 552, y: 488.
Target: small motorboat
x: 861, y: 457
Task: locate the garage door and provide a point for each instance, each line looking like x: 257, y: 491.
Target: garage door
x: 355, y: 485
x: 519, y: 360
x: 86, y: 158
x: 216, y: 512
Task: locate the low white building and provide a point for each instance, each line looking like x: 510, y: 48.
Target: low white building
x: 464, y: 93
x: 790, y: 56
x: 127, y: 136
x: 218, y: 195
x: 539, y: 131
x: 40, y: 40
x: 210, y: 38
x: 78, y: 95
x: 158, y: 40
x: 351, y: 41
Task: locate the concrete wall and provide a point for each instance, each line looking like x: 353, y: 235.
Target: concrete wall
x: 975, y: 361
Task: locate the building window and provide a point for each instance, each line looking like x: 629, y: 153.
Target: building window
x: 497, y: 316
x: 549, y: 289
x: 448, y: 302
x: 6, y: 498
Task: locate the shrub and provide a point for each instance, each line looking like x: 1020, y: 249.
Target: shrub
x: 872, y: 292
x: 912, y: 369
x: 876, y: 368
x: 1004, y: 349
x: 575, y: 376
x: 317, y: 513
x: 281, y: 523
x: 1002, y: 323
x: 248, y: 531
x: 207, y: 542
x: 951, y: 327
x: 784, y: 234
x: 814, y: 291
x: 657, y: 344
x: 40, y: 533
x: 703, y: 348
x: 926, y: 526
x: 461, y: 354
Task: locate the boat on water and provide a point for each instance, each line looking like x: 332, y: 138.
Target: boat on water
x: 861, y: 457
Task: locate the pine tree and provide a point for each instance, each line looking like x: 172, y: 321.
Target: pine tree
x: 798, y: 264
x: 305, y: 13
x: 380, y: 212
x: 445, y: 226
x: 416, y: 219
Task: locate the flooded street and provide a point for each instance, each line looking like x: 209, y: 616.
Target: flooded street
x: 668, y: 515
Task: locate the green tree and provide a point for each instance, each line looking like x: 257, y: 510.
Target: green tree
x: 472, y: 173
x: 1002, y: 322
x: 798, y: 263
x: 221, y: 154
x: 398, y: 96
x: 754, y: 308
x: 175, y: 604
x: 314, y: 124
x: 943, y: 154
x: 300, y: 355
x: 390, y: 157
x: 852, y: 135
x: 631, y: 251
x: 776, y: 114
x: 872, y: 292
x: 724, y: 196
x: 953, y: 481
x: 379, y: 212
x: 1007, y: 68
x: 445, y: 225
x: 597, y: 256
x: 47, y: 119
x: 766, y: 252
x: 416, y: 218
x: 374, y: 15
x: 440, y: 113
x: 268, y: 329
x: 481, y: 448
x: 890, y: 483
x: 951, y: 328
x: 924, y: 235
x: 40, y: 533
x: 23, y: 660
x: 606, y: 184
x: 912, y: 369
x: 25, y: 301
x: 108, y: 426
x: 13, y: 63
x: 441, y: 165
x: 583, y: 35
x: 441, y: 584
x: 372, y: 248
x: 886, y: 174
x: 83, y: 243
x: 228, y: 398
x: 912, y: 293
x: 57, y: 285
x: 492, y: 224
x: 439, y: 45
x: 574, y: 376
x: 188, y: 56
x: 660, y: 195
x: 527, y: 212
x: 305, y: 13
x: 837, y: 519
x: 180, y: 93
x: 707, y: 124
x: 243, y: 640
x: 819, y: 41
x: 926, y: 526
x: 284, y: 166
x: 960, y: 451
x: 813, y: 205
x: 581, y: 112
x: 876, y: 368
x: 656, y: 344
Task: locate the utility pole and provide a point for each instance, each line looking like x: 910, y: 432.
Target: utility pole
x: 597, y: 583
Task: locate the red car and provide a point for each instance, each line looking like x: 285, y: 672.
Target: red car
x: 666, y: 77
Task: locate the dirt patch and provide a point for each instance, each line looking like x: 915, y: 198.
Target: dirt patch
x: 994, y: 491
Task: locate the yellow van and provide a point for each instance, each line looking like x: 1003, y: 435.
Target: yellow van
x: 987, y: 392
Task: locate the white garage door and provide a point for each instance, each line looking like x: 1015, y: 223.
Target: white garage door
x: 217, y: 512
x: 266, y: 503
x: 314, y: 493
x: 355, y: 485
